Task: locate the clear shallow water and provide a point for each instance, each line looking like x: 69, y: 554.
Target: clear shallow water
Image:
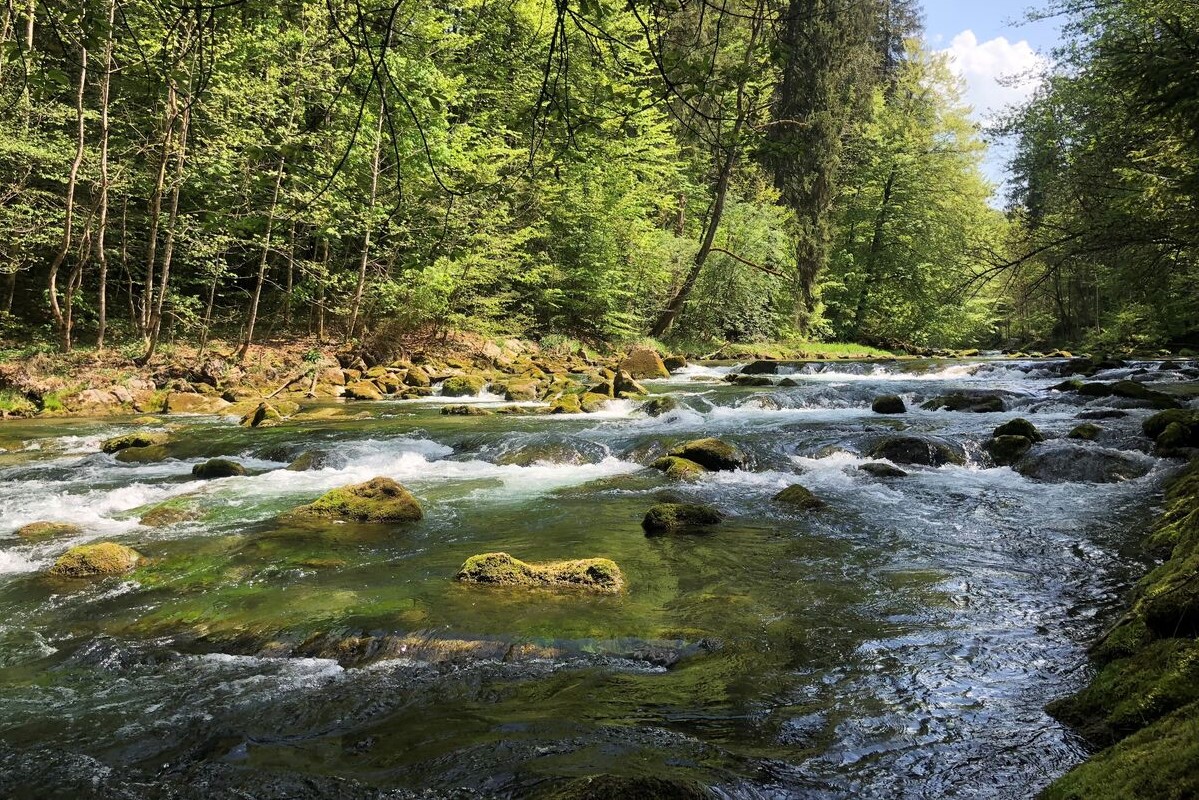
x: 900, y: 644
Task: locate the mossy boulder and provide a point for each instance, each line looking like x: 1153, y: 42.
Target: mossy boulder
x: 1007, y: 450
x: 925, y: 451
x: 674, y: 363
x: 377, y: 500
x: 591, y: 402
x: 625, y: 385
x: 881, y: 470
x: 713, y: 454
x: 1129, y: 390
x: 1170, y: 604
x: 672, y: 517
x: 127, y: 440
x: 363, y: 390
x: 1019, y: 427
x: 37, y: 531
x: 888, y: 404
x: 566, y: 404
x: 1156, y: 425
x: 101, y: 558
x: 521, y: 390
x: 218, y: 468
x: 193, y: 403
x: 1087, y: 432
x: 679, y: 468
x: 974, y: 402
x: 264, y: 415
x: 465, y: 410
x: 171, y: 512
x: 463, y: 386
x: 662, y: 404
x: 417, y: 377
x: 589, y: 574
x: 643, y: 362
x: 800, y: 497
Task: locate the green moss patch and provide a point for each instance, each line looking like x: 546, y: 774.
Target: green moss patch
x: 592, y: 574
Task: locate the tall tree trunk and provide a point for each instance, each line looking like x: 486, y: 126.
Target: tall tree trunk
x: 160, y: 180
x: 370, y: 216
x: 320, y: 298
x: 876, y: 246
x: 291, y: 270
x: 168, y: 245
x: 102, y: 224
x: 262, y: 262
x: 60, y: 319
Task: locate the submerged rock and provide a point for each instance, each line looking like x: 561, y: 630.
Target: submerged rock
x: 712, y: 454
x: 1066, y: 462
x: 801, y: 497
x: 170, y: 512
x: 463, y: 386
x: 1130, y: 390
x: 1019, y: 427
x: 662, y: 404
x: 36, y: 531
x: 643, y: 362
x: 1087, y: 431
x: 127, y: 440
x: 888, y: 404
x: 925, y: 451
x: 679, y: 468
x: 976, y: 402
x: 218, y: 468
x: 881, y: 470
x: 1007, y: 450
x: 669, y: 517
x: 377, y: 500
x: 591, y: 574
x: 622, y: 787
x: 316, y: 459
x: 101, y: 558
x: 465, y: 410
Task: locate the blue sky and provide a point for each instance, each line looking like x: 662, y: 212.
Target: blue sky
x: 988, y: 41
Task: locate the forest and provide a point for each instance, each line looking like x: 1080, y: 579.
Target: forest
x: 747, y: 170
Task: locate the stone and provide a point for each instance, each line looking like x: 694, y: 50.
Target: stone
x: 881, y: 470
x: 566, y: 404
x: 363, y: 390
x: 462, y: 386
x: 674, y: 363
x: 1087, y: 431
x: 926, y: 451
x: 643, y: 362
x: 521, y: 390
x: 711, y: 453
x: 591, y: 402
x: 417, y: 377
x: 1066, y: 462
x: 679, y: 468
x: 127, y: 440
x: 500, y: 569
x: 217, y: 468
x: 975, y: 402
x: 1008, y: 449
x: 377, y: 500
x: 37, y: 531
x: 888, y: 404
x: 662, y: 404
x: 191, y: 403
x: 101, y: 558
x: 465, y: 410
x: 1019, y: 427
x: 671, y: 517
x: 800, y: 497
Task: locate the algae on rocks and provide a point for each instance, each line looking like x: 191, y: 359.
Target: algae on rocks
x: 37, y: 531
x: 679, y: 468
x: 712, y: 454
x: 591, y: 574
x: 377, y: 500
x: 800, y: 497
x: 218, y: 468
x: 101, y: 558
x: 671, y: 517
x: 127, y: 440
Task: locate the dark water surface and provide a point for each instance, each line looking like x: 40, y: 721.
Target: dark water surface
x: 900, y: 644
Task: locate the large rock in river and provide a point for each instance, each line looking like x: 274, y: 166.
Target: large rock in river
x: 462, y: 386
x: 218, y: 468
x: 800, y: 497
x: 591, y: 574
x: 101, y: 558
x: 679, y: 468
x: 377, y: 500
x: 37, y: 531
x: 977, y: 402
x: 925, y: 450
x: 670, y: 517
x: 1067, y: 462
x: 642, y: 362
x: 888, y: 404
x: 712, y: 454
x: 127, y: 440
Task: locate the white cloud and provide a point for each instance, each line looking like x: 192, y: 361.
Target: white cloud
x: 998, y: 73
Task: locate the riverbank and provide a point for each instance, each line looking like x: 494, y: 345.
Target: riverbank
x: 1142, y: 707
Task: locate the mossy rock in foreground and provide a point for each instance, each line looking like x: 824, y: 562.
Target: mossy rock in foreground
x: 800, y: 497
x: 617, y: 787
x: 1159, y: 762
x: 377, y: 500
x: 127, y: 440
x: 102, y: 558
x: 669, y: 517
x: 37, y: 531
x: 591, y: 574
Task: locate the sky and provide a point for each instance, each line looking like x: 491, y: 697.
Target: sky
x: 989, y: 43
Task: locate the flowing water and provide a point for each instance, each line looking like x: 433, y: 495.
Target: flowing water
x: 900, y: 643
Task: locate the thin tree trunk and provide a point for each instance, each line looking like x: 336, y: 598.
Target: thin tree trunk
x: 102, y: 227
x: 262, y: 261
x: 876, y: 246
x: 168, y: 245
x: 291, y: 270
x: 207, y: 317
x: 370, y: 214
x: 168, y: 129
x: 60, y: 319
x: 320, y: 301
